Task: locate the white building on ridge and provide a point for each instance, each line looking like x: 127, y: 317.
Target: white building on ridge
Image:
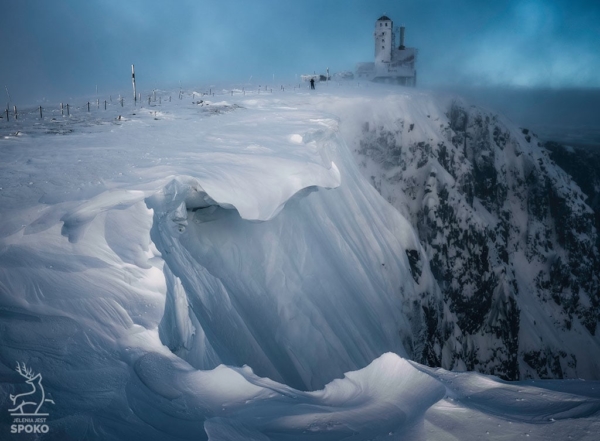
x: 392, y: 65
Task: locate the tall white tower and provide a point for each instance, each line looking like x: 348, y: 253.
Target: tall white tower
x: 384, y: 41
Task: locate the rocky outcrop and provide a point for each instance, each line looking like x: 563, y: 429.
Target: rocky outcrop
x: 512, y: 241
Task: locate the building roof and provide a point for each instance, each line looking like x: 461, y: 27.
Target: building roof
x: 384, y: 17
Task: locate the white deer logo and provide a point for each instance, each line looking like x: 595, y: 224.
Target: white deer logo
x: 29, y: 403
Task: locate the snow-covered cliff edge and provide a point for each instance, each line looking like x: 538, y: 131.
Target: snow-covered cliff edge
x: 223, y: 271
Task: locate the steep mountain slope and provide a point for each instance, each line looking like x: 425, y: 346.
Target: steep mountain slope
x: 583, y: 164
x: 510, y: 238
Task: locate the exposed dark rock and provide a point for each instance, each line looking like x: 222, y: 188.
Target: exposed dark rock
x: 500, y: 223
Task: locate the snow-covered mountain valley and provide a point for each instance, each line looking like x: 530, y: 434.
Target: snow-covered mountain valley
x: 293, y: 265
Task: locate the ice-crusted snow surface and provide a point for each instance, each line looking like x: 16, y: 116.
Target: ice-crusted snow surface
x: 224, y: 271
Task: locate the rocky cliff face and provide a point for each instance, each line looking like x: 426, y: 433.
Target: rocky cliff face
x: 583, y: 165
x: 510, y: 237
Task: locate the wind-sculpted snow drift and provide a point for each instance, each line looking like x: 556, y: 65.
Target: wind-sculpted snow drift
x: 322, y: 288
x: 192, y: 274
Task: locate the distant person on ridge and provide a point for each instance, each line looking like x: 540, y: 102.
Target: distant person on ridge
x: 312, y: 83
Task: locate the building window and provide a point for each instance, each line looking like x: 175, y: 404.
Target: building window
x: 382, y: 47
x: 380, y: 24
x: 386, y: 25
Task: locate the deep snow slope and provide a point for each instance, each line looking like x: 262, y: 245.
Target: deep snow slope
x: 510, y: 237
x: 222, y: 270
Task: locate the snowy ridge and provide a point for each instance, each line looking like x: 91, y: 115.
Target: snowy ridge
x: 229, y: 274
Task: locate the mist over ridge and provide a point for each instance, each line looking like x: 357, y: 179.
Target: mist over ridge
x: 67, y: 49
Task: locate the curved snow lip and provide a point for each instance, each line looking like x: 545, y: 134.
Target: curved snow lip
x: 76, y: 222
x: 387, y: 397
x: 184, y: 193
x: 259, y: 200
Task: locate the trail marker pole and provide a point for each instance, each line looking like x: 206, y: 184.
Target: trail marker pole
x: 104, y: 104
x: 97, y: 103
x: 41, y: 116
x: 7, y: 115
x: 16, y: 114
x: 133, y: 82
x: 62, y: 112
x: 88, y: 106
x: 68, y: 112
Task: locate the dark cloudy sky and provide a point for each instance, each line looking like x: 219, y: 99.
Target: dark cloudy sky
x: 64, y: 48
